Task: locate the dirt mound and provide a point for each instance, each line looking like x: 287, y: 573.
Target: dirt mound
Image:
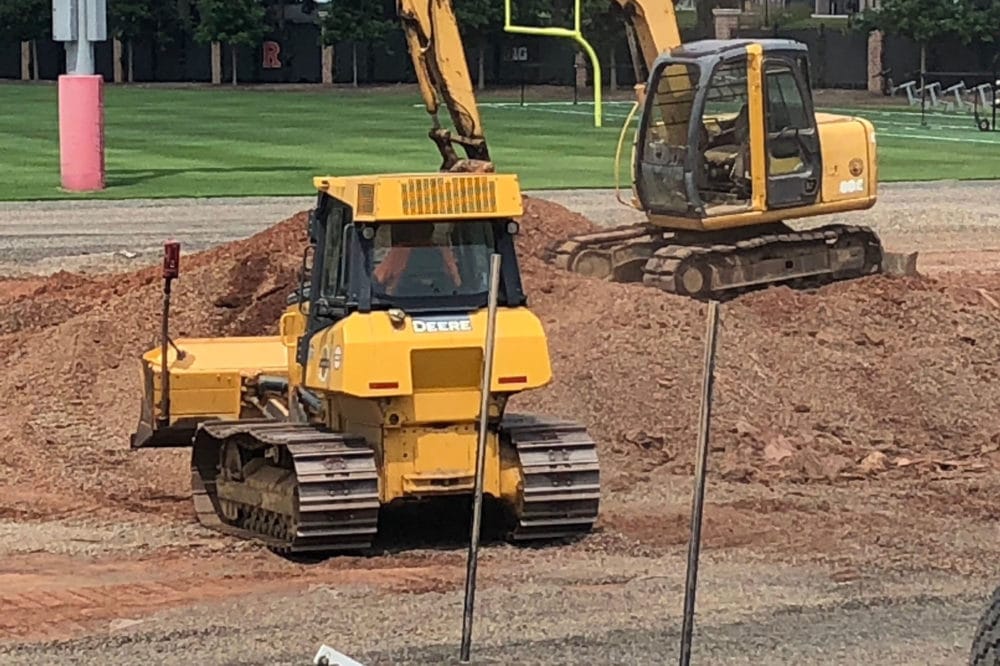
x: 72, y: 343
x: 544, y: 223
x: 878, y: 376
x: 874, y: 377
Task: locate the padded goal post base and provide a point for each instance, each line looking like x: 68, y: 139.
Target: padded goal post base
x: 81, y: 132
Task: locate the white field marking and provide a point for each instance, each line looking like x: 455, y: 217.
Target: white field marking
x: 950, y: 139
x: 547, y: 107
x: 530, y: 104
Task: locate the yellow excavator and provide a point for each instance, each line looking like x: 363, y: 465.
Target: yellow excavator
x: 370, y: 393
x: 728, y: 148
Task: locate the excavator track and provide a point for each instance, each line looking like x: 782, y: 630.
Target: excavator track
x: 604, y: 253
x: 718, y: 265
x: 561, y: 489
x: 293, y: 487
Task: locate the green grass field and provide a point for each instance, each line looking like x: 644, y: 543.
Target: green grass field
x: 215, y: 142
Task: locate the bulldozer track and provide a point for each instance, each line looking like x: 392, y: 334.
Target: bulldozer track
x: 335, y: 500
x: 561, y: 492
x: 706, y: 265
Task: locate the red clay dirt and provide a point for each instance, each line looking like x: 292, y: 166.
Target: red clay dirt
x: 877, y: 377
x: 46, y: 597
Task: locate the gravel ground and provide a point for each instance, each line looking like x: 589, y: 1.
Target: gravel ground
x: 936, y: 220
x: 617, y: 610
x: 45, y: 237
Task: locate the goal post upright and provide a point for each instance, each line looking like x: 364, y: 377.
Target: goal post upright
x: 575, y: 34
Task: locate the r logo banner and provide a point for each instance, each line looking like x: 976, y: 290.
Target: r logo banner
x: 272, y: 53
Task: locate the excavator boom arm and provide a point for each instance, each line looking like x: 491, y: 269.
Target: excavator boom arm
x: 652, y: 29
x: 435, y: 46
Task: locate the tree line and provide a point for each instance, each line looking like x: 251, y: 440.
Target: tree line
x: 244, y: 23
x: 929, y: 21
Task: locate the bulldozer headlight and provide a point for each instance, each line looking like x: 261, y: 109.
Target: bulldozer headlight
x: 513, y: 228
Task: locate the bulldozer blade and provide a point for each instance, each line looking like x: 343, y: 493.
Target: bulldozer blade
x: 899, y: 263
x: 149, y: 434
x: 176, y: 435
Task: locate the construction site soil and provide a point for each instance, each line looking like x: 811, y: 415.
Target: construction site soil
x: 884, y: 385
x: 877, y: 377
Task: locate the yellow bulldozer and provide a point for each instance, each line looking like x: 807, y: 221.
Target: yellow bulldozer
x: 727, y: 150
x: 369, y: 394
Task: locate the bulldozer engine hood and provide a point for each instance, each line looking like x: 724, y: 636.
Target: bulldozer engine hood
x: 379, y: 355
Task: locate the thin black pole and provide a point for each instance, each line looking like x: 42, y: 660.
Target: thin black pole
x: 171, y: 270
x: 697, y: 501
x: 477, y: 497
x: 995, y: 85
x: 164, y: 337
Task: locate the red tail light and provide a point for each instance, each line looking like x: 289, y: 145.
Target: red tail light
x: 375, y: 386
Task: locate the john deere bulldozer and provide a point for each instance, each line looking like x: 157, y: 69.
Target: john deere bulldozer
x: 369, y: 394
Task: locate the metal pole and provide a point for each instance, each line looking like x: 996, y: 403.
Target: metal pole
x: 171, y: 271
x: 477, y: 498
x: 80, y: 51
x: 923, y: 98
x: 164, y: 341
x: 697, y: 501
x: 995, y: 85
x: 576, y: 76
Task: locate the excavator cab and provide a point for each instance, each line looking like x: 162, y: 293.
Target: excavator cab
x: 728, y: 127
x: 728, y: 151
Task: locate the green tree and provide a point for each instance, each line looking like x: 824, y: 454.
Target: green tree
x: 603, y: 26
x: 130, y: 20
x: 355, y: 21
x: 705, y: 17
x: 983, y: 24
x: 923, y: 21
x: 233, y: 22
x: 26, y: 21
x: 480, y: 21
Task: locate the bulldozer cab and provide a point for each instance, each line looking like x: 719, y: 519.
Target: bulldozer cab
x: 423, y: 266
x: 728, y: 127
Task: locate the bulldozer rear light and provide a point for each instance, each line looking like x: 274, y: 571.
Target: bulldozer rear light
x: 171, y: 260
x: 520, y: 379
x: 375, y: 386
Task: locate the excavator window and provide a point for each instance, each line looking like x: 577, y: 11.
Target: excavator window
x: 793, y: 156
x: 693, y: 155
x: 431, y: 259
x: 785, y: 115
x: 663, y: 149
x: 724, y: 179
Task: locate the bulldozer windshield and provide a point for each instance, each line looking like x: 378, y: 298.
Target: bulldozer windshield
x: 431, y: 260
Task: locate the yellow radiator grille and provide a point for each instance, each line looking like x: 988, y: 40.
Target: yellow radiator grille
x: 366, y: 199
x: 449, y: 196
